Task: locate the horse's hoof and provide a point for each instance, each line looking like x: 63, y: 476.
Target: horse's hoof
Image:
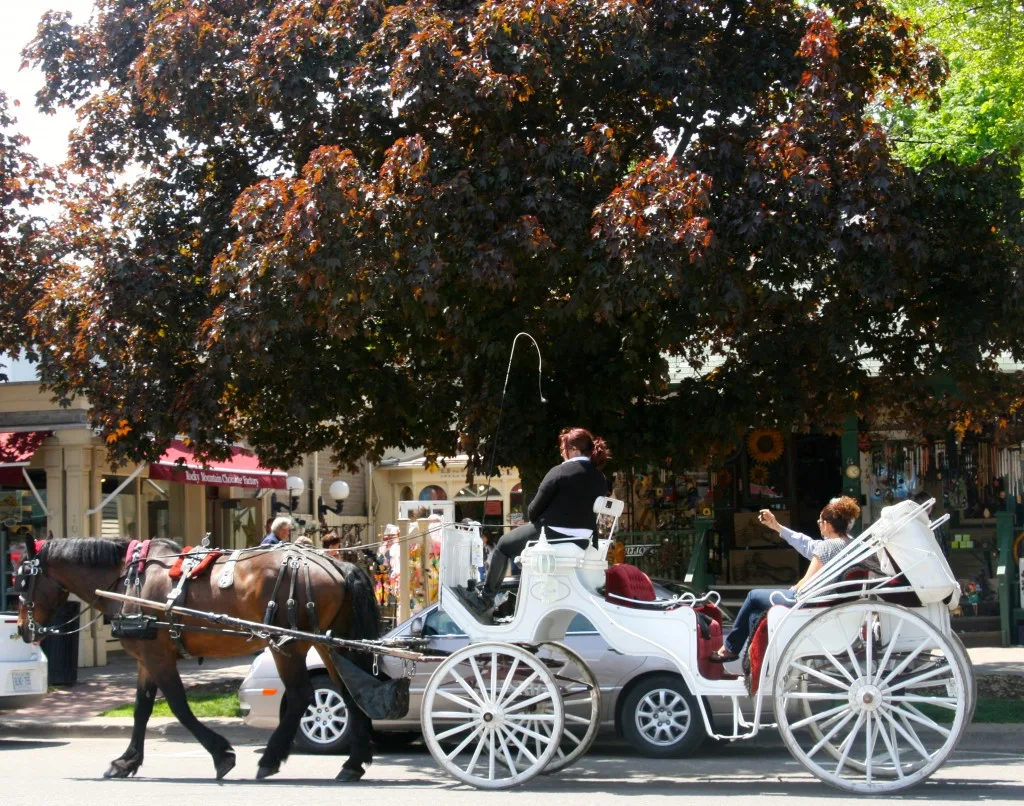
x: 347, y: 776
x: 225, y: 765
x: 266, y: 772
x: 118, y: 771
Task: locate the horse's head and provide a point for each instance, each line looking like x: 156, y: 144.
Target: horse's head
x: 39, y: 595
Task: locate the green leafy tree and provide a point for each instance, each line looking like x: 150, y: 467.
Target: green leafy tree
x: 982, y: 102
x: 24, y: 251
x: 343, y: 212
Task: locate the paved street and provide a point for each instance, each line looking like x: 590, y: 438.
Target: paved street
x: 985, y: 768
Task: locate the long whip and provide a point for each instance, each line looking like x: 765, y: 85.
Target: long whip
x: 504, y: 389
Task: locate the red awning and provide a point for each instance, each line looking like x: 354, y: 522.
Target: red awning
x: 243, y: 469
x: 18, y: 447
x: 16, y: 450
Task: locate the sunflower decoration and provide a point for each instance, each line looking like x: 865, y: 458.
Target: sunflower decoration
x: 765, y: 445
x: 759, y: 474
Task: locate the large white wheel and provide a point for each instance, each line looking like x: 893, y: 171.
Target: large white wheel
x: 581, y: 700
x: 870, y: 697
x: 481, y: 713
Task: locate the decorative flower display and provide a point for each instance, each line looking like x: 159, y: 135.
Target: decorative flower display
x: 765, y: 445
x: 759, y: 474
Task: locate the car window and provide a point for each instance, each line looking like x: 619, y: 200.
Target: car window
x: 580, y: 623
x: 438, y: 622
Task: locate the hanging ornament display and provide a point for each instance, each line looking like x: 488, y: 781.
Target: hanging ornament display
x: 765, y: 445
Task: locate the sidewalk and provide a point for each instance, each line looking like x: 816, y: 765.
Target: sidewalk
x: 74, y: 711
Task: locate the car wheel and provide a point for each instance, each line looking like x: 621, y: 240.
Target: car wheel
x: 661, y: 719
x: 325, y: 726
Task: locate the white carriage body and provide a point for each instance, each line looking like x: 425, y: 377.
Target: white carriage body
x: 560, y: 580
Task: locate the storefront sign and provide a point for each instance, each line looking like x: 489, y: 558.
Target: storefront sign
x: 216, y: 477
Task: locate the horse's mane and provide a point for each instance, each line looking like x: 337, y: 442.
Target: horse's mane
x: 93, y: 552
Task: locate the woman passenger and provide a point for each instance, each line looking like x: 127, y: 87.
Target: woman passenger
x: 834, y: 523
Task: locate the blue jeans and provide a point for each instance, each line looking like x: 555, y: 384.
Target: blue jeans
x: 757, y: 602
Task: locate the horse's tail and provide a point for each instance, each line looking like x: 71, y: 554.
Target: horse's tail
x: 365, y: 621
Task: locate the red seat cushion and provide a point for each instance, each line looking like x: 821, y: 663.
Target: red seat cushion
x: 629, y: 582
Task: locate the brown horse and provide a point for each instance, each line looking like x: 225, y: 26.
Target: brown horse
x: 344, y: 603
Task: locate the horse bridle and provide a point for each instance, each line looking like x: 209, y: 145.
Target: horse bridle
x: 29, y: 570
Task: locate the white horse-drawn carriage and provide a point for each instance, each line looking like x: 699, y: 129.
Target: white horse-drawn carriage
x: 870, y: 695
x: 869, y: 686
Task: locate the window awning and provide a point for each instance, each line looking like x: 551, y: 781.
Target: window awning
x: 18, y: 447
x: 16, y: 450
x: 243, y: 469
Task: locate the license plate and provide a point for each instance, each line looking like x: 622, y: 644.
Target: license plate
x: 22, y: 681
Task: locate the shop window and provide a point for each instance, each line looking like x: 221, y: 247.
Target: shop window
x: 118, y: 516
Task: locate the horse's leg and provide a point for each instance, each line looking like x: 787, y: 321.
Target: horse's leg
x: 130, y: 761
x: 360, y: 750
x: 298, y: 693
x: 216, y: 745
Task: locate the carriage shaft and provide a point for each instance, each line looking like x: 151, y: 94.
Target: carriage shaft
x: 259, y: 628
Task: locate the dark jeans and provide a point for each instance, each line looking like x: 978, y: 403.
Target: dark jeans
x: 511, y: 545
x: 757, y: 602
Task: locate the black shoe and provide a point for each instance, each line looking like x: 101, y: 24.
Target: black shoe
x: 477, y: 601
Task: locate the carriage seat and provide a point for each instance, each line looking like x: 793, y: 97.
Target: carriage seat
x: 626, y: 585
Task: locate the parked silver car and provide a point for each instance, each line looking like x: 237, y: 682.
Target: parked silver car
x: 643, y: 699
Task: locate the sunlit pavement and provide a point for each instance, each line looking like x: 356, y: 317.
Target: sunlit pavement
x: 988, y: 767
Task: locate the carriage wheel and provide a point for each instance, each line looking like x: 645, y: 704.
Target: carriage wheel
x: 581, y: 700
x: 870, y: 697
x: 482, y: 712
x: 831, y: 745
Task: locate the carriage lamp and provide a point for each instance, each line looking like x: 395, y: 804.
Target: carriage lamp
x: 542, y: 559
x: 339, y: 491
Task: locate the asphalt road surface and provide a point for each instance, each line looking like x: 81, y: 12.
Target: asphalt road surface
x: 42, y: 771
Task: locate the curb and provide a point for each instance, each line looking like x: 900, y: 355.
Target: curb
x: 234, y: 730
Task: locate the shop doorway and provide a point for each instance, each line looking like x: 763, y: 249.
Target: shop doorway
x: 817, y: 467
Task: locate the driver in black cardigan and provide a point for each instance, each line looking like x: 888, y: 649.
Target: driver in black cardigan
x: 563, y: 505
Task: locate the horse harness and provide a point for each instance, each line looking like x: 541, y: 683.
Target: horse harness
x: 190, y: 564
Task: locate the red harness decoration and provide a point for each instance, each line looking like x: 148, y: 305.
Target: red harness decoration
x: 143, y: 546
x: 208, y: 559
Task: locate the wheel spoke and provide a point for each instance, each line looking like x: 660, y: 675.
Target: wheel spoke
x: 467, y: 688
x: 949, y: 703
x: 509, y: 762
x: 522, y: 686
x: 820, y: 676
x: 891, y: 747
x: 494, y: 676
x: 911, y: 737
x: 519, y: 706
x: 813, y: 695
x: 888, y: 652
x: 832, y: 659
x: 526, y: 731
x: 869, y: 637
x: 848, y: 744
x: 916, y: 716
x: 491, y: 760
x: 459, y: 700
x: 870, y: 730
x: 508, y: 680
x: 455, y: 730
x: 523, y: 749
x: 820, y: 715
x: 825, y: 739
x: 903, y: 664
x: 464, y: 743
x: 530, y: 717
x: 914, y: 681
x: 482, y: 686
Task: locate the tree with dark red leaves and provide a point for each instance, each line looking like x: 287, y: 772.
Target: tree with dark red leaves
x: 341, y: 212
